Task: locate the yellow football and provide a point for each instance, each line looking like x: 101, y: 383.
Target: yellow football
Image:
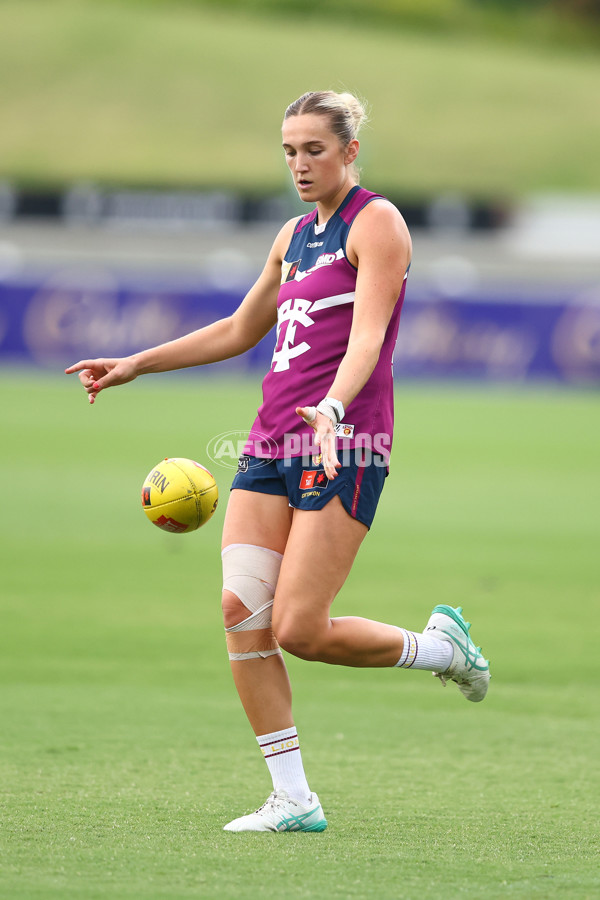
x: 179, y: 495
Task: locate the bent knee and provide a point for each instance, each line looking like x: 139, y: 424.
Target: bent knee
x: 297, y: 639
x: 234, y: 610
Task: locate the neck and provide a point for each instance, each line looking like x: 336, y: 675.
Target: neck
x: 327, y: 206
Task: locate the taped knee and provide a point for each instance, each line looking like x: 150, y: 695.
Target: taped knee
x: 251, y: 574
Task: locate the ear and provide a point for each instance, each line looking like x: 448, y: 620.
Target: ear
x: 351, y: 152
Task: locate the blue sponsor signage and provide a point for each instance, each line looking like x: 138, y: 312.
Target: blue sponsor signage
x: 55, y: 320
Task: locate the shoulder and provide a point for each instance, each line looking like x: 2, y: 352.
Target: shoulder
x: 283, y: 239
x: 381, y: 213
x: 380, y: 225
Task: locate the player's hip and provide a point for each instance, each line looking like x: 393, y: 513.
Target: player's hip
x: 302, y: 480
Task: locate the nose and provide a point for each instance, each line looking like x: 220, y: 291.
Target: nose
x: 301, y: 163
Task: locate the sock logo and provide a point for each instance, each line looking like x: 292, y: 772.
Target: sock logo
x: 410, y: 650
x: 284, y: 746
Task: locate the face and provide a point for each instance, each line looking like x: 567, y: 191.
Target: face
x: 320, y: 166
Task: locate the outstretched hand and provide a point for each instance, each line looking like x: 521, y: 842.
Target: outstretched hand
x: 324, y: 437
x: 97, y: 374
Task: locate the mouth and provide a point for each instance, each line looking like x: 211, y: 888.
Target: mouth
x: 303, y: 185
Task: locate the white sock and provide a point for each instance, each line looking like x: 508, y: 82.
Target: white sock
x: 421, y: 651
x: 281, y: 751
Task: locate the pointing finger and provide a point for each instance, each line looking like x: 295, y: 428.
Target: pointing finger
x: 78, y: 366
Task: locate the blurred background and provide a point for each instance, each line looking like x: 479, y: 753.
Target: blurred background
x: 142, y: 182
x: 142, y: 179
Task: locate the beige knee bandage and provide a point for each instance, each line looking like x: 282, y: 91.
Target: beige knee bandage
x: 251, y: 574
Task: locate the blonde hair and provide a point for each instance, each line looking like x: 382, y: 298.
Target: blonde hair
x: 345, y: 112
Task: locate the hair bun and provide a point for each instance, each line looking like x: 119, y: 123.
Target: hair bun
x: 356, y: 108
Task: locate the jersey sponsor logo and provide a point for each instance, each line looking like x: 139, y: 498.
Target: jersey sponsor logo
x: 314, y: 244
x: 325, y: 259
x: 343, y: 429
x: 289, y: 270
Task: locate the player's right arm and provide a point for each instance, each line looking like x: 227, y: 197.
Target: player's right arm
x: 220, y: 340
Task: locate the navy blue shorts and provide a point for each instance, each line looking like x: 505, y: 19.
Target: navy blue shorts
x: 304, y: 483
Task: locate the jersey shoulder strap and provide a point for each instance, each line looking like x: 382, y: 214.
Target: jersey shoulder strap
x: 357, y: 199
x: 305, y: 220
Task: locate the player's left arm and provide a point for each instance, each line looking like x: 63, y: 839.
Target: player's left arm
x: 379, y: 246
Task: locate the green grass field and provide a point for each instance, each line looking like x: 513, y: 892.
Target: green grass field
x: 123, y: 748
x: 184, y: 94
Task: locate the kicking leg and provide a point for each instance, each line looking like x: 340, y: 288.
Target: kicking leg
x: 320, y: 551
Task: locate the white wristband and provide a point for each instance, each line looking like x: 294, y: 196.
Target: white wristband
x: 334, y: 409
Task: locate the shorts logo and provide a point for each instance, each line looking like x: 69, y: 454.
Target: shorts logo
x: 313, y: 479
x: 307, y: 480
x: 317, y: 459
x: 321, y: 481
x: 243, y: 464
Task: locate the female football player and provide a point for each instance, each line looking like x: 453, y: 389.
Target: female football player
x: 316, y: 460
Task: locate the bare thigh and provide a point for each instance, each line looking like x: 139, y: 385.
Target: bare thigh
x: 261, y: 519
x: 321, y: 548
